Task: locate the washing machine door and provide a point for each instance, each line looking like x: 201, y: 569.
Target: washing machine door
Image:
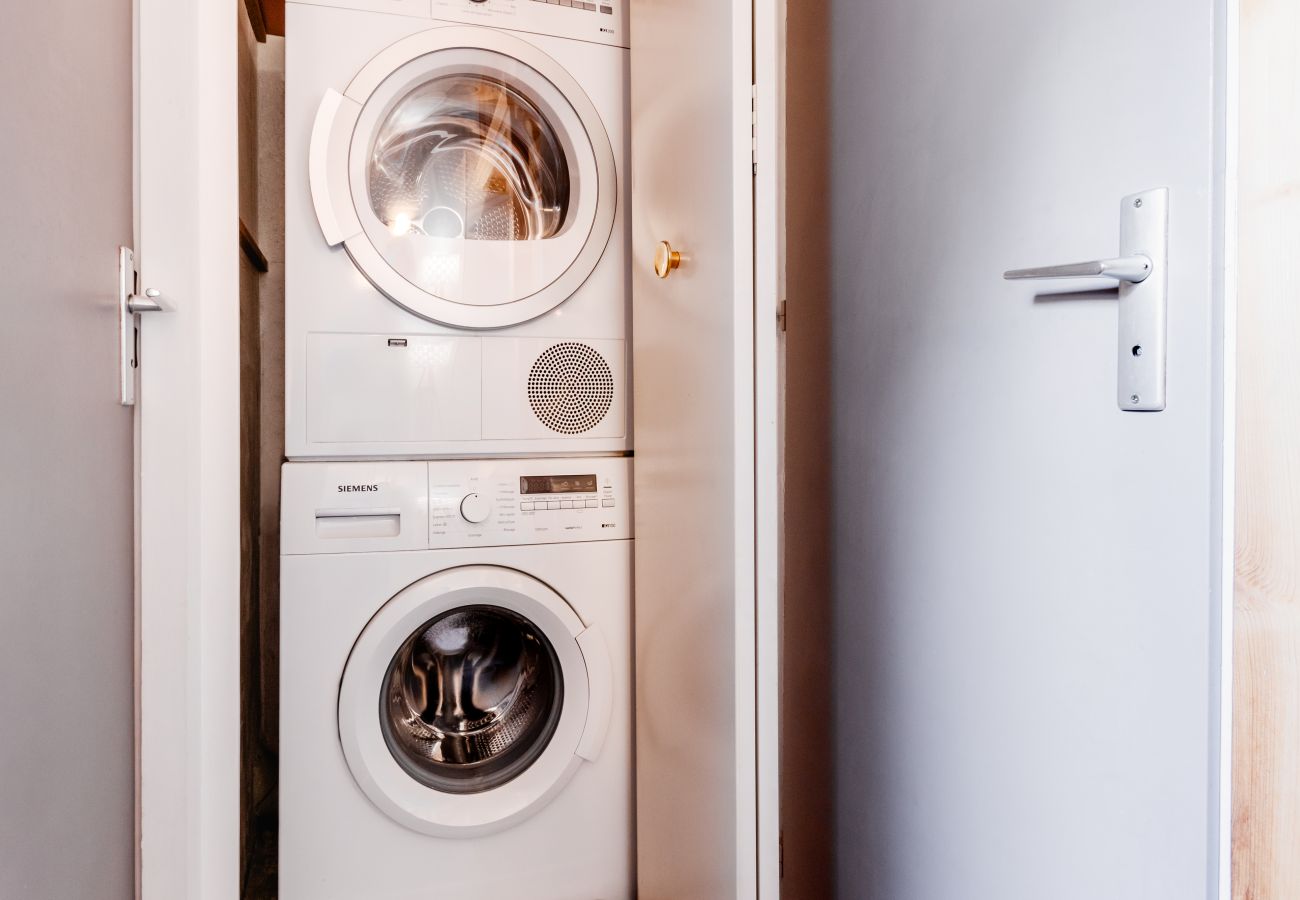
x: 468, y: 175
x: 470, y: 699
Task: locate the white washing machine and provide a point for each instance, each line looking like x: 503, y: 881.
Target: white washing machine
x: 456, y: 694
x: 456, y: 234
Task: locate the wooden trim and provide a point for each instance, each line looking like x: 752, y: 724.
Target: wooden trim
x: 1266, y: 722
x: 252, y: 251
x: 274, y: 11
x: 257, y: 18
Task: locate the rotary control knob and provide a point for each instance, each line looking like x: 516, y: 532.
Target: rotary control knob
x: 475, y: 509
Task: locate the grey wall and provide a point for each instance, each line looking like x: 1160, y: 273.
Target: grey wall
x: 66, y: 603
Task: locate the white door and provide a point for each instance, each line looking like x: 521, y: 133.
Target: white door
x: 1029, y: 578
x: 693, y: 334
x: 66, y: 604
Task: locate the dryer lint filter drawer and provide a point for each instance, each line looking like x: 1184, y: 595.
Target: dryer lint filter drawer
x: 367, y: 388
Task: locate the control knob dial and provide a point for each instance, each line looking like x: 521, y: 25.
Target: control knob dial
x: 475, y: 509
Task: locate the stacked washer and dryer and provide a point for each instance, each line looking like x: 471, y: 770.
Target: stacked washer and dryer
x: 456, y: 663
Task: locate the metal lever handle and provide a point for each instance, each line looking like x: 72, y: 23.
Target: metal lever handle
x: 148, y: 303
x: 1142, y: 270
x: 1133, y: 269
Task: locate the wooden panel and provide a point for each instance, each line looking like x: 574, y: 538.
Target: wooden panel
x: 274, y: 13
x: 806, y: 763
x: 1266, y: 727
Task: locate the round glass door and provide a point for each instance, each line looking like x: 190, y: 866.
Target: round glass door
x: 471, y: 699
x: 465, y: 701
x: 480, y: 177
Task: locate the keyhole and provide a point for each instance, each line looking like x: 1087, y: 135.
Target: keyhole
x: 1137, y: 349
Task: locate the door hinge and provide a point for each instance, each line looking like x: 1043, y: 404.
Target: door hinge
x: 780, y: 315
x: 753, y: 128
x: 780, y: 854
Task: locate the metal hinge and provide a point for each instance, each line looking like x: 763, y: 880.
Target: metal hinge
x: 780, y: 315
x: 753, y: 127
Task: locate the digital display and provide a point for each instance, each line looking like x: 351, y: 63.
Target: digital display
x: 557, y: 484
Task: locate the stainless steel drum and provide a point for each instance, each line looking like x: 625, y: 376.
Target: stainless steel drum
x: 468, y: 156
x: 471, y: 699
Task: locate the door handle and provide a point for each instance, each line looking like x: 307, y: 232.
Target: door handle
x: 129, y: 305
x: 667, y: 260
x: 136, y: 304
x: 1142, y: 270
x: 1134, y: 269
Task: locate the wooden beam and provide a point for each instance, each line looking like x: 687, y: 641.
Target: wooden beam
x: 256, y: 18
x: 274, y: 10
x: 248, y: 244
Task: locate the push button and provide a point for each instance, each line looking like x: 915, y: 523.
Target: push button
x: 592, y: 504
x: 526, y: 507
x: 607, y: 503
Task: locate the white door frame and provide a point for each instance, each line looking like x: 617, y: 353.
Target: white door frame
x: 1227, y: 86
x: 188, y: 445
x: 188, y: 450
x: 768, y: 210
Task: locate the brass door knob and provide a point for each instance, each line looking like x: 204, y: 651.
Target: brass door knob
x: 666, y: 259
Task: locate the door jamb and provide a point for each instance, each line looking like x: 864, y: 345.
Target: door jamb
x: 768, y: 128
x: 187, y: 477
x: 1227, y: 14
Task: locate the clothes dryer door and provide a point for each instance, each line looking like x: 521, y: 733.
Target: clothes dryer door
x: 468, y: 175
x: 470, y: 699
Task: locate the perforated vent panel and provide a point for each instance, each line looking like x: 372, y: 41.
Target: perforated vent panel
x: 570, y: 388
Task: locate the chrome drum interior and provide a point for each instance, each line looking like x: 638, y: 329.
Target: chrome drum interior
x: 469, y: 156
x: 471, y: 699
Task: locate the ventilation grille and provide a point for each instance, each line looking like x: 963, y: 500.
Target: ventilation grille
x: 570, y: 388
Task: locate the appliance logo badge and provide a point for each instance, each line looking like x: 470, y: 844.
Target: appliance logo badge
x: 357, y: 488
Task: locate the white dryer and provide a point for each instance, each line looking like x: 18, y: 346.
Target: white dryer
x: 456, y: 696
x: 456, y: 235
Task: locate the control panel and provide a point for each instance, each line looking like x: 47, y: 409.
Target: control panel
x: 361, y: 507
x: 532, y: 501
x: 599, y: 21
